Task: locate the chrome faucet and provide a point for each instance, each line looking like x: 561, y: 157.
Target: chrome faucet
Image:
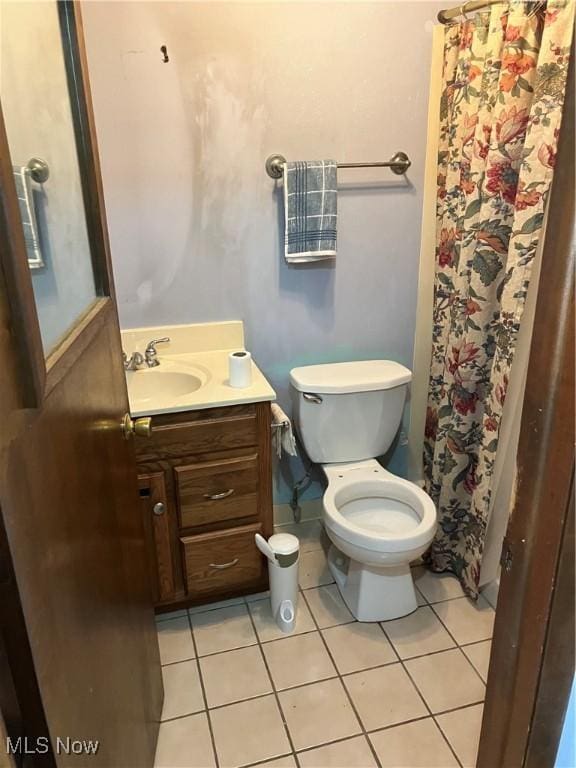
x: 149, y: 358
x: 150, y: 354
x: 135, y: 361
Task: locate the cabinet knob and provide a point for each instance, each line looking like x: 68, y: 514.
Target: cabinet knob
x: 140, y: 427
x: 159, y: 508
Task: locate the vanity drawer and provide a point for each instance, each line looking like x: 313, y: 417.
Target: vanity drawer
x: 216, y: 491
x: 215, y: 562
x: 216, y: 429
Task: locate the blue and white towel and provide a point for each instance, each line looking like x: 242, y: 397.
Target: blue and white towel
x: 310, y: 208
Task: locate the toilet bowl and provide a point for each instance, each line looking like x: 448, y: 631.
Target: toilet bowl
x: 378, y: 524
x: 346, y: 414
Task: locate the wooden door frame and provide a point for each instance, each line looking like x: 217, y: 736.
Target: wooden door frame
x: 532, y: 662
x: 25, y: 389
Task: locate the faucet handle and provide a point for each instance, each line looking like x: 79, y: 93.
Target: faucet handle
x: 152, y: 344
x: 150, y: 353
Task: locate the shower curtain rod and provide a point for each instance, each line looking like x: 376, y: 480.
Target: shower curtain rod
x: 444, y: 17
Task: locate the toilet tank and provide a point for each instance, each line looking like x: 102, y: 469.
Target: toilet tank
x: 348, y: 411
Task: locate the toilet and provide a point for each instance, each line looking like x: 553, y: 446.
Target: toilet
x: 347, y: 414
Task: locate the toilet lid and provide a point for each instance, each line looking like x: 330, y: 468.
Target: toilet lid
x: 380, y: 515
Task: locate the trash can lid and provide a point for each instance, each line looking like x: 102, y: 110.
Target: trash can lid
x: 284, y: 543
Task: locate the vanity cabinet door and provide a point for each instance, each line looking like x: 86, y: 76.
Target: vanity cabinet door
x: 216, y: 491
x: 224, y: 561
x: 157, y: 525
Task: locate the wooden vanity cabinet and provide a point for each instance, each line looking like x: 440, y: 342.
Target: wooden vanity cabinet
x: 205, y: 480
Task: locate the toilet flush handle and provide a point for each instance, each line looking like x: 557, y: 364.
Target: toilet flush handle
x: 312, y: 398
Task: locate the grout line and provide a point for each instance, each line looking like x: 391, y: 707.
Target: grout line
x: 421, y: 695
x: 204, y: 697
x: 178, y: 661
x: 305, y: 685
x: 475, y: 642
x: 274, y: 691
x: 323, y: 629
x: 460, y: 649
x: 184, y: 716
x: 268, y: 760
x: 346, y: 691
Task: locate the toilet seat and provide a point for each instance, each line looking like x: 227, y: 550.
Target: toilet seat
x: 371, y: 508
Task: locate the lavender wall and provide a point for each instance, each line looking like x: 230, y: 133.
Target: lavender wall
x: 196, y: 224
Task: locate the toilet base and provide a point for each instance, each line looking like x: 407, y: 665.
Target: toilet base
x: 373, y: 594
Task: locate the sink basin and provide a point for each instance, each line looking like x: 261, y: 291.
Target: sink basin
x: 145, y: 384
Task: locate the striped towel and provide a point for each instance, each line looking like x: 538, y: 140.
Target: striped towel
x: 310, y: 207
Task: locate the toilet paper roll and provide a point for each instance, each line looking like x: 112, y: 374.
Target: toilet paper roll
x: 240, y: 369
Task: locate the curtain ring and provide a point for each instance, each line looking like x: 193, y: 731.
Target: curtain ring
x: 463, y: 11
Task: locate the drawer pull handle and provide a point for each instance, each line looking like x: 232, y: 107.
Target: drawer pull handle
x: 223, y: 566
x: 217, y: 496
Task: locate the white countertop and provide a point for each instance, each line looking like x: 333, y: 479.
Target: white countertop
x: 187, y: 362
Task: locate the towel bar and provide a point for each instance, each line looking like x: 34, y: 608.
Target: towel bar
x: 398, y: 164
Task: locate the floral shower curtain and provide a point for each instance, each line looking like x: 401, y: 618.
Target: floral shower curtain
x: 504, y: 78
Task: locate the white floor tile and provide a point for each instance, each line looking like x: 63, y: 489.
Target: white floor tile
x: 462, y: 729
x: 234, y: 675
x: 223, y: 629
x: 266, y: 626
x: 418, y: 633
x: 479, y: 655
x: 327, y: 606
x: 351, y: 753
x: 467, y: 622
x: 437, y: 587
x: 313, y: 570
x: 249, y: 732
x: 446, y: 680
x: 358, y: 646
x: 413, y: 745
x: 182, y: 690
x: 318, y: 713
x: 175, y: 640
x: 298, y: 660
x: 384, y: 696
x: 185, y: 743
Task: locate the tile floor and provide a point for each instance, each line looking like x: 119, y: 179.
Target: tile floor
x: 406, y: 693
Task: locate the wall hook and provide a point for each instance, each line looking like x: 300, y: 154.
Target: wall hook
x: 164, y: 52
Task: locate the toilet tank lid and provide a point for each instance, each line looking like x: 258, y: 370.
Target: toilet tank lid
x: 340, y: 378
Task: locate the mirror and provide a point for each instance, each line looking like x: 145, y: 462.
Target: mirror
x: 37, y: 95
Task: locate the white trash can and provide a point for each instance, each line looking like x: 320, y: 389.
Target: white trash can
x: 283, y: 552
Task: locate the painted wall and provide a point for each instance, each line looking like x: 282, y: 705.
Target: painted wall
x: 566, y: 756
x: 196, y: 224
x: 36, y: 109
